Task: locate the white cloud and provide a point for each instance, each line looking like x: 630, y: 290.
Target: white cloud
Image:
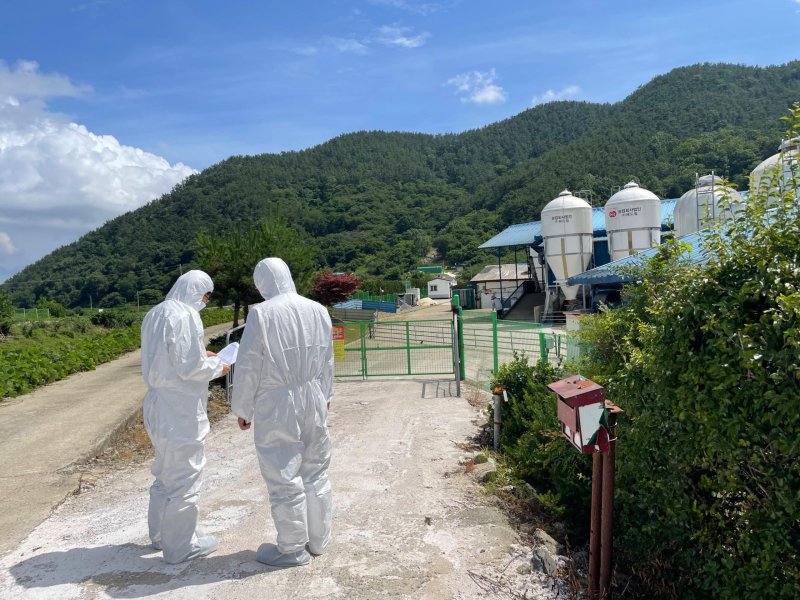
x: 6, y: 245
x: 552, y: 96
x: 25, y: 82
x: 346, y: 45
x: 59, y: 178
x: 395, y: 35
x: 478, y: 87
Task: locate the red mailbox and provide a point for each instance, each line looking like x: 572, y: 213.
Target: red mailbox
x: 581, y: 410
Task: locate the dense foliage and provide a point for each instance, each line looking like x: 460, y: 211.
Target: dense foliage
x: 377, y: 203
x: 705, y: 361
x: 45, y: 351
x: 6, y: 312
x: 532, y: 443
x: 41, y: 352
x: 231, y: 258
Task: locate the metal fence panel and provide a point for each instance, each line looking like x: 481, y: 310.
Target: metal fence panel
x: 397, y: 348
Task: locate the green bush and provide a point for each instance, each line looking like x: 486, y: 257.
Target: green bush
x: 55, y: 352
x: 116, y: 318
x: 532, y: 442
x: 705, y: 361
x: 56, y: 310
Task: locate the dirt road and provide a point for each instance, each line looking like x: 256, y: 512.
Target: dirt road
x: 409, y: 522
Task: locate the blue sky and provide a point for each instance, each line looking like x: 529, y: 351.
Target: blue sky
x: 106, y: 104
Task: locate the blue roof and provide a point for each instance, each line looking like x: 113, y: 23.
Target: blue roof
x: 615, y: 272
x: 516, y: 235
x: 531, y: 233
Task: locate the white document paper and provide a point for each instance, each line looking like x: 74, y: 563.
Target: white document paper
x: 228, y: 353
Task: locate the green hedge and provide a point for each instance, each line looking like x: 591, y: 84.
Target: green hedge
x: 705, y: 361
x: 534, y: 447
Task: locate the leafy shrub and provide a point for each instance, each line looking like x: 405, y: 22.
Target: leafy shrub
x: 56, y: 310
x: 705, y: 362
x: 112, y: 300
x: 113, y: 319
x: 26, y: 363
x: 150, y: 296
x: 532, y: 441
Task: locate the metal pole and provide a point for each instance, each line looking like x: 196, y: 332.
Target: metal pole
x: 594, y: 531
x: 408, y: 346
x: 494, y: 342
x: 607, y: 516
x: 498, y: 399
x: 456, y: 355
x: 500, y: 276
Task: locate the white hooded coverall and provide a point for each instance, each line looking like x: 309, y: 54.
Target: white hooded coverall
x: 176, y: 369
x: 282, y: 383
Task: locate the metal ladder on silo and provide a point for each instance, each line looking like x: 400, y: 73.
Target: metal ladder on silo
x: 706, y: 212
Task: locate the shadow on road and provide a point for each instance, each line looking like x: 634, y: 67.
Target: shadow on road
x: 131, y: 570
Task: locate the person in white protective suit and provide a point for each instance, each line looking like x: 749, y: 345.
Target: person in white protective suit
x: 177, y: 368
x: 283, y: 384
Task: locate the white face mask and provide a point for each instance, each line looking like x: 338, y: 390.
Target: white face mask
x: 201, y: 304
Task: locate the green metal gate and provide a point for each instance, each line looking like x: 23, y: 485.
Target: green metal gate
x: 396, y: 348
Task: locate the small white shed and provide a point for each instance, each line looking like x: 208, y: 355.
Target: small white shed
x: 440, y: 288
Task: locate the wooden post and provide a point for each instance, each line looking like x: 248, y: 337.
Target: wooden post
x: 594, y: 533
x: 607, y: 514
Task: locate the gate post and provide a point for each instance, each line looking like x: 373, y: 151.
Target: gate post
x: 408, y: 347
x: 463, y: 369
x: 494, y: 341
x: 542, y: 348
x: 361, y: 327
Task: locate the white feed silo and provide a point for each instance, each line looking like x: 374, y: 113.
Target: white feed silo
x: 772, y: 175
x: 567, y: 233
x: 633, y: 221
x: 708, y: 202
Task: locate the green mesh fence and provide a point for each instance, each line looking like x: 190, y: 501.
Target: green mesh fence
x: 487, y: 345
x: 396, y: 348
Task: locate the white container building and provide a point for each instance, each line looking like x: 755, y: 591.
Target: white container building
x: 567, y: 233
x: 708, y: 202
x: 633, y: 221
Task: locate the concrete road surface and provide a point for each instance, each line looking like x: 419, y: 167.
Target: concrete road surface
x: 408, y: 521
x: 45, y: 432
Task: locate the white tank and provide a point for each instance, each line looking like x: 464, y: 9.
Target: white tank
x: 567, y: 231
x: 772, y: 175
x: 705, y: 204
x: 633, y: 221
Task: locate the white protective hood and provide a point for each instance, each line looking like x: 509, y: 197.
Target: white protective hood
x: 272, y: 277
x: 190, y: 289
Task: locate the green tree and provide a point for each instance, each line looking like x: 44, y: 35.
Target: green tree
x: 57, y: 311
x: 6, y: 312
x: 231, y: 258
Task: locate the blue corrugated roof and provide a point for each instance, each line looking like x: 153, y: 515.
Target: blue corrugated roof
x: 614, y: 272
x: 516, y: 235
x: 531, y: 233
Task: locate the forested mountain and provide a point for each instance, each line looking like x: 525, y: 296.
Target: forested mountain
x: 376, y: 203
